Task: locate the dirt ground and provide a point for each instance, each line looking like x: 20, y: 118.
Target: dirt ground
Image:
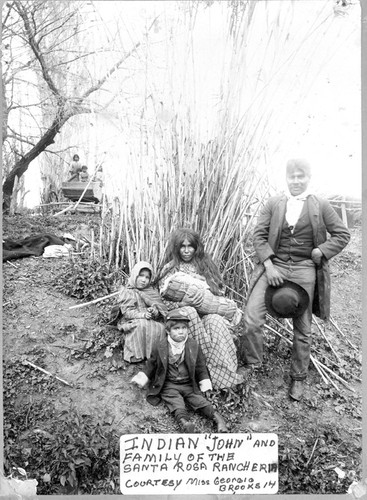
x: 318, y: 437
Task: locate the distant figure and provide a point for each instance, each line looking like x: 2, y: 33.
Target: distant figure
x: 76, y: 168
x: 98, y: 176
x: 83, y: 175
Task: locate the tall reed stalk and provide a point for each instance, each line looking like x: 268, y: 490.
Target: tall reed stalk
x: 212, y: 178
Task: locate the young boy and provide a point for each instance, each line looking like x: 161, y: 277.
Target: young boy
x: 176, y: 373
x: 83, y: 175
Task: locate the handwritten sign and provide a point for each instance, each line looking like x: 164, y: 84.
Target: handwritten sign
x: 160, y: 464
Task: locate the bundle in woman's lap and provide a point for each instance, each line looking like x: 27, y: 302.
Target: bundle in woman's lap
x: 181, y: 286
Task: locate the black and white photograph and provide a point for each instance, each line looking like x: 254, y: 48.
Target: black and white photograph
x: 182, y: 248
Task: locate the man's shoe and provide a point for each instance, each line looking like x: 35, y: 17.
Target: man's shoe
x: 186, y: 426
x: 296, y: 390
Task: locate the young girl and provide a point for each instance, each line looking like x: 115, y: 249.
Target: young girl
x: 140, y: 306
x: 76, y: 168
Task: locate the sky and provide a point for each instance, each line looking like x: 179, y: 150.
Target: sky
x: 328, y: 128
x: 323, y: 126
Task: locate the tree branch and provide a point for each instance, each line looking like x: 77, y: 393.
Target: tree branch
x: 36, y: 50
x: 64, y: 22
x: 57, y: 153
x: 19, y: 138
x: 64, y: 107
x: 115, y: 67
x: 25, y: 106
x: 4, y: 21
x: 81, y: 56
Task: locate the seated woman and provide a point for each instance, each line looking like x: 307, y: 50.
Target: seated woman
x: 140, y: 307
x: 186, y: 254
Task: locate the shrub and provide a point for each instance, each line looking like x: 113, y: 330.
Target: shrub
x: 66, y: 452
x: 86, y: 279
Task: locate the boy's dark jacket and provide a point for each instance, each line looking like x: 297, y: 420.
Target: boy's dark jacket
x: 156, y: 368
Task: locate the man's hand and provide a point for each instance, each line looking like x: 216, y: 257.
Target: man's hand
x: 273, y: 276
x: 316, y: 256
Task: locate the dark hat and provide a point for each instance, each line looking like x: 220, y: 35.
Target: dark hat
x: 178, y: 315
x: 286, y: 301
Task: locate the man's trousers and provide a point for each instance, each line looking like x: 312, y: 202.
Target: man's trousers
x: 303, y: 273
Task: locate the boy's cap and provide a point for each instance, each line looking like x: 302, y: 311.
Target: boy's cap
x: 68, y: 236
x: 177, y: 315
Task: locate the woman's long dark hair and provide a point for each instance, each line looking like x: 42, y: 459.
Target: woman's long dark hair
x: 203, y: 261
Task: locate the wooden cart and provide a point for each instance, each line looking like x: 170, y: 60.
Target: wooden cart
x: 74, y: 189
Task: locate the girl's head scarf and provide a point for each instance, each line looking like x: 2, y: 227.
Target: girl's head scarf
x: 136, y: 270
x: 150, y: 296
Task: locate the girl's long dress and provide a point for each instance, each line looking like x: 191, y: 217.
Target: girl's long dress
x: 140, y: 333
x: 213, y: 335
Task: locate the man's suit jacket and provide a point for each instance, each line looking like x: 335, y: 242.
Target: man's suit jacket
x: 324, y: 220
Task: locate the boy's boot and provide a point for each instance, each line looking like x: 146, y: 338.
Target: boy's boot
x: 221, y: 423
x: 187, y: 426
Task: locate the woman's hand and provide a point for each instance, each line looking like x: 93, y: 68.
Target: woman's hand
x: 193, y: 300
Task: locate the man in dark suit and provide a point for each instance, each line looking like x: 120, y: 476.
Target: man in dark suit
x: 291, y: 243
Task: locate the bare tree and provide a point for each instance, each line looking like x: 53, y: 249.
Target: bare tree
x: 45, y: 56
